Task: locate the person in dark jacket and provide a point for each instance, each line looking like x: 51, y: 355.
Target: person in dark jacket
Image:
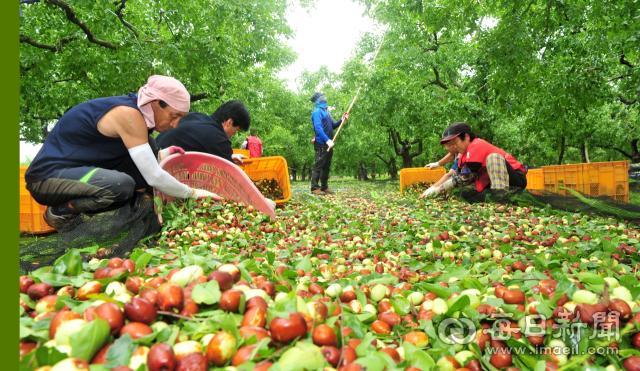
x: 323, y: 126
x: 199, y: 132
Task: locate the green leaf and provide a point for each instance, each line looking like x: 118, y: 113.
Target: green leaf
x: 361, y: 297
x: 417, y: 358
x: 303, y: 356
x: 271, y: 257
x: 86, y: 343
x: 207, y: 293
x: 49, y: 356
x: 69, y: 264
x: 305, y: 264
x: 400, y: 305
x: 462, y: 302
x: 119, y: 354
x: 143, y: 260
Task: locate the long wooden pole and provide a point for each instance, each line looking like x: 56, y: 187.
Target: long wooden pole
x: 358, y: 92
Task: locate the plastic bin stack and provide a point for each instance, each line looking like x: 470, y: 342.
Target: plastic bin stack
x: 31, y: 212
x: 593, y: 179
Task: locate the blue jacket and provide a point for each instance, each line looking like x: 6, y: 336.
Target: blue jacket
x: 323, y: 125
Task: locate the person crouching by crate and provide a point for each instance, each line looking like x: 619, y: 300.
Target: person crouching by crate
x: 480, y: 164
x: 323, y: 126
x: 100, y: 153
x: 451, y: 156
x: 199, y: 132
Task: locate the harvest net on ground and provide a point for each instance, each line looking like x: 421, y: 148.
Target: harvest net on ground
x: 576, y: 203
x: 118, y: 231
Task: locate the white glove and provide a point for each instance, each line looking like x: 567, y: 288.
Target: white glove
x: 330, y: 143
x: 164, y: 153
x: 448, y: 185
x: 433, y: 165
x: 271, y: 203
x: 238, y: 157
x: 431, y: 192
x: 201, y: 193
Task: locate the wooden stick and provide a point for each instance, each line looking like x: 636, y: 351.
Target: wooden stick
x: 358, y: 92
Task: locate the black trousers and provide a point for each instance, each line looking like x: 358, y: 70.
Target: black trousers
x: 321, y: 167
x: 92, y: 189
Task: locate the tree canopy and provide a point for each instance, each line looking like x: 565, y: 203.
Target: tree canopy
x: 551, y: 82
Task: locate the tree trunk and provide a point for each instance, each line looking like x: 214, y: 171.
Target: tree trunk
x: 363, y: 172
x: 586, y: 151
x: 393, y: 171
x: 294, y: 170
x: 373, y: 171
x: 304, y: 171
x: 583, y: 153
x: 403, y: 148
x: 391, y: 166
x: 635, y: 155
x: 561, y: 151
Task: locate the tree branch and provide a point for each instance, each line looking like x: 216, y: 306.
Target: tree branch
x: 436, y: 81
x: 526, y: 10
x: 620, y: 77
x: 617, y: 149
x: 71, y: 16
x: 626, y: 101
x: 197, y: 97
x: 395, y: 143
x: 482, y: 87
x: 381, y: 159
x: 63, y: 80
x: 419, y: 151
x: 624, y: 61
x: 57, y: 48
x: 121, y: 18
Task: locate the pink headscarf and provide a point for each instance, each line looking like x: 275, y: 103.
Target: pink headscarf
x: 164, y: 88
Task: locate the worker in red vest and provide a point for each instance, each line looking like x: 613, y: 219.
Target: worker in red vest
x: 253, y: 144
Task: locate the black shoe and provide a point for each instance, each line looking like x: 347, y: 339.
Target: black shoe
x: 57, y: 221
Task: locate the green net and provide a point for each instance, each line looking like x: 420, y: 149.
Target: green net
x: 577, y: 202
x: 110, y: 234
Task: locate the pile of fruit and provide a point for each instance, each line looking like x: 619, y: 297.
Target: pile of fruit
x: 270, y: 188
x: 348, y: 283
x: 416, y: 189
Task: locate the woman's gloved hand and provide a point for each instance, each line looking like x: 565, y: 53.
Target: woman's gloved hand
x: 238, y: 157
x: 433, y: 165
x: 201, y: 193
x: 164, y: 153
x: 271, y: 203
x: 431, y: 192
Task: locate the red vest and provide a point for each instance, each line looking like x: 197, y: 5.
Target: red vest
x: 254, y: 145
x: 478, y: 151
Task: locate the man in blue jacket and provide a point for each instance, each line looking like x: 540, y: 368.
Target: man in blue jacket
x: 323, y: 125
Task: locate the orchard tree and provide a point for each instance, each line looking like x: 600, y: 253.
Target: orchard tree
x: 72, y: 52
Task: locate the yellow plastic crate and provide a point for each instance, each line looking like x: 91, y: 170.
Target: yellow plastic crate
x: 535, y: 179
x: 419, y: 174
x: 269, y: 168
x: 241, y: 152
x: 593, y: 179
x: 31, y: 212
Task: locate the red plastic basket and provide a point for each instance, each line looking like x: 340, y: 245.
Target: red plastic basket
x: 215, y: 174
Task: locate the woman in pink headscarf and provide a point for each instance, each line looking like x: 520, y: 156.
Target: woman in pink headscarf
x: 100, y: 153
